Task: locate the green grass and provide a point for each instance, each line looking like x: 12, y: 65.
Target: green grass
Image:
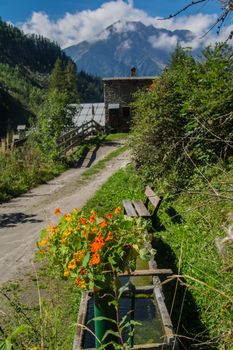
x: 187, y: 226
x: 52, y: 321
x: 117, y: 136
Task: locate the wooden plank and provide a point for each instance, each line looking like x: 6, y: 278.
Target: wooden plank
x: 141, y: 209
x: 149, y: 272
x: 149, y: 192
x: 77, y: 344
x: 129, y: 209
x: 153, y: 346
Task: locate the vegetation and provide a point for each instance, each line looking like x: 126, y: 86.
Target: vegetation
x: 182, y: 144
x: 182, y: 125
x: 26, y: 62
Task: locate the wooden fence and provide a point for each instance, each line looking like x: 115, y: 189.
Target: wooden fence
x: 75, y: 136
x: 65, y: 143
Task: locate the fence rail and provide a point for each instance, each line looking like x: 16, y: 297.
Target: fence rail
x: 75, y: 136
x: 65, y: 143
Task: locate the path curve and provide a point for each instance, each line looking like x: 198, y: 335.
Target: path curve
x: 22, y: 219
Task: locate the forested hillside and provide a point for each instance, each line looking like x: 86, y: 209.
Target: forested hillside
x: 25, y: 64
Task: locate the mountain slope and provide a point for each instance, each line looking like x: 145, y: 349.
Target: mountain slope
x: 123, y: 45
x: 25, y: 64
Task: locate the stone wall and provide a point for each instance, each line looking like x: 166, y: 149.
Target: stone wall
x: 120, y: 91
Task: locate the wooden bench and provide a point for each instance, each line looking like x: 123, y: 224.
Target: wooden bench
x: 138, y: 208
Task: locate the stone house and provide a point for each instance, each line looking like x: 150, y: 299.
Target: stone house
x: 118, y: 95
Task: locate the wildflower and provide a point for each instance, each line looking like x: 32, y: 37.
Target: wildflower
x: 63, y: 240
x: 57, y: 211
x: 83, y: 221
x: 75, y: 209
x: 78, y: 256
x: 68, y: 232
x: 109, y: 236
x: 68, y: 217
x: 92, y: 218
x: 72, y: 265
x: 66, y: 272
x: 103, y: 224
x: 94, y: 229
x: 85, y: 234
x: 117, y: 210
x: 97, y: 244
x: 95, y: 259
x: 43, y: 242
x: 83, y: 271
x: 80, y: 283
x: 109, y: 216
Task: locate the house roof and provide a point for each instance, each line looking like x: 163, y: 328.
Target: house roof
x: 129, y: 78
x: 88, y: 111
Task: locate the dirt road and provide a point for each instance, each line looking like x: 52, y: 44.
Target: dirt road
x: 22, y: 218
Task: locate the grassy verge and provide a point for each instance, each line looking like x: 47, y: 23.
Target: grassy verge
x: 26, y: 167
x: 46, y: 304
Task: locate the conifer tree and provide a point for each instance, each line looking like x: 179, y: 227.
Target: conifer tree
x: 71, y: 82
x: 57, y: 77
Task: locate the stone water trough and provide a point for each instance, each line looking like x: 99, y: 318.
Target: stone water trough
x: 145, y: 305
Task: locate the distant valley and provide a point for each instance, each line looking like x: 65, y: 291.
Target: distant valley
x: 125, y: 44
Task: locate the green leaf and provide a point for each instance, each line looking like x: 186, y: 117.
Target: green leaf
x: 86, y: 260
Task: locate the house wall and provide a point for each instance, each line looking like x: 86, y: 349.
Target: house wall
x: 121, y: 90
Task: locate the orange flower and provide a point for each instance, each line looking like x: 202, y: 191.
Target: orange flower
x: 109, y: 236
x: 68, y: 217
x: 95, y: 259
x: 68, y: 232
x: 109, y: 216
x: 92, y: 218
x: 72, y: 265
x: 43, y: 242
x: 83, y: 271
x: 75, y: 209
x: 55, y: 228
x: 94, y: 229
x: 63, y: 240
x: 78, y: 256
x: 85, y: 234
x: 57, y: 211
x: 66, y: 272
x: 97, y: 244
x: 83, y: 221
x: 80, y: 283
x: 103, y: 224
x: 117, y: 210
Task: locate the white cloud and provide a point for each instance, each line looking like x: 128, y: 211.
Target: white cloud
x: 164, y: 41
x: 85, y: 25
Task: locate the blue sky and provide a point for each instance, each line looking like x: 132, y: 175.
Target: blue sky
x: 19, y: 11
x: 71, y: 21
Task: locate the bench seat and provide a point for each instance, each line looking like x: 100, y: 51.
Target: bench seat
x: 138, y: 208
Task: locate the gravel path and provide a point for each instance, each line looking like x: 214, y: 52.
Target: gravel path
x: 22, y: 219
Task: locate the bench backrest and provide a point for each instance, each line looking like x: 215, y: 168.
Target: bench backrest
x: 153, y: 199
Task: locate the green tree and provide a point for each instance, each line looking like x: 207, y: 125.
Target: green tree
x: 54, y: 118
x: 71, y: 82
x: 57, y: 78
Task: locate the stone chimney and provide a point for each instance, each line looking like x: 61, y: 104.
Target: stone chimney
x: 133, y: 72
